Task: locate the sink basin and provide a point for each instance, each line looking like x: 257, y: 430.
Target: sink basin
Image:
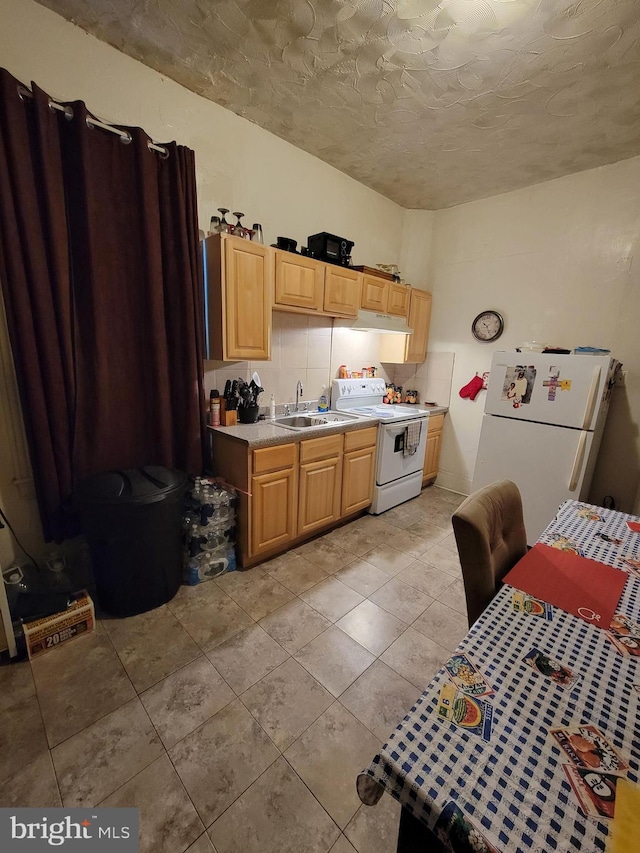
x: 313, y: 420
x: 299, y: 421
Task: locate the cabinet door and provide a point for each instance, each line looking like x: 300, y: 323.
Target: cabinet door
x: 342, y: 288
x: 273, y: 509
x: 248, y: 285
x: 398, y: 299
x: 432, y: 449
x: 319, y: 494
x: 419, y: 319
x: 375, y: 294
x: 299, y: 282
x: 357, y: 479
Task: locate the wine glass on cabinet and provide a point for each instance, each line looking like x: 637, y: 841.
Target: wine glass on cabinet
x: 238, y: 228
x: 223, y: 227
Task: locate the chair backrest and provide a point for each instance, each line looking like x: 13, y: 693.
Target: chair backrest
x: 491, y: 538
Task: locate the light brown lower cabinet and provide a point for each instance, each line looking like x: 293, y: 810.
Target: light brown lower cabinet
x: 274, y: 509
x: 273, y: 496
x: 432, y: 450
x: 292, y: 490
x: 358, y: 470
x: 320, y: 483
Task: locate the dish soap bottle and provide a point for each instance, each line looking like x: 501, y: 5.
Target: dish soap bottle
x: 323, y: 403
x: 272, y: 408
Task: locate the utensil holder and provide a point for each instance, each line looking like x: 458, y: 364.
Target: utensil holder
x: 248, y: 414
x: 228, y: 417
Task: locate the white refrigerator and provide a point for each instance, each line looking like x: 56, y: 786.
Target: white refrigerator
x: 543, y: 421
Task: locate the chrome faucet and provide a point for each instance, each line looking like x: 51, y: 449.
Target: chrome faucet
x: 299, y: 392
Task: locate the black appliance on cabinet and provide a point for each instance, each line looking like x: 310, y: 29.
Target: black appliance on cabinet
x: 328, y: 247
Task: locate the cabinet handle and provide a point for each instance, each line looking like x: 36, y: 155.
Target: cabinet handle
x: 577, y: 462
x: 591, y: 398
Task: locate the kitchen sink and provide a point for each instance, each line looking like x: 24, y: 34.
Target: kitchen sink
x: 313, y: 420
x: 298, y: 421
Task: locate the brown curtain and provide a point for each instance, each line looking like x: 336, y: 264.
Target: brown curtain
x: 99, y: 266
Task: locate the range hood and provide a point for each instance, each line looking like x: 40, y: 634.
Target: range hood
x: 372, y: 321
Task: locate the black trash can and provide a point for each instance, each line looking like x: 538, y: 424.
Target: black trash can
x: 133, y: 523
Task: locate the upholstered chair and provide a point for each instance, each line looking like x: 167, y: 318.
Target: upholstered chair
x: 491, y: 538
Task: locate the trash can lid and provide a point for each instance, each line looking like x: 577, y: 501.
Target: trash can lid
x: 134, y: 485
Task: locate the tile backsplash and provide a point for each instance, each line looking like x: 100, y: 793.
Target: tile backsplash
x: 311, y: 349
x: 432, y: 379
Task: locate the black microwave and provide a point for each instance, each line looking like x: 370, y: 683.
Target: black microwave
x: 328, y: 247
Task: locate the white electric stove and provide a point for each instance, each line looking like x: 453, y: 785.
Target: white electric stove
x: 398, y: 473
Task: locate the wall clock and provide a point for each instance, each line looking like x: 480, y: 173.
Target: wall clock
x: 487, y: 326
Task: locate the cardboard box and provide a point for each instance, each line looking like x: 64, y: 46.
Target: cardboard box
x: 52, y: 631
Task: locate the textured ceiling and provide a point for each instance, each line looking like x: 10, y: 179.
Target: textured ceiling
x: 429, y: 102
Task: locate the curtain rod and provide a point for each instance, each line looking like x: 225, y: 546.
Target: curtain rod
x: 124, y: 135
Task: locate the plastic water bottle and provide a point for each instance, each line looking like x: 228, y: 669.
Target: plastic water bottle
x: 206, y: 506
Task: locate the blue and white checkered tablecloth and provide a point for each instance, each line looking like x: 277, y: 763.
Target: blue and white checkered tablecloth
x: 512, y: 788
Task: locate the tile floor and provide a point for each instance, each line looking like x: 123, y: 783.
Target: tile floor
x: 237, y: 717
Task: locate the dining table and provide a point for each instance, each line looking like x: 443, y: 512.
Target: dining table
x: 522, y: 739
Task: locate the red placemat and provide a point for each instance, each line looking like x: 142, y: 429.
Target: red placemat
x: 580, y: 586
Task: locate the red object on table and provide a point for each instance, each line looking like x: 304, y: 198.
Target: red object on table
x: 576, y: 584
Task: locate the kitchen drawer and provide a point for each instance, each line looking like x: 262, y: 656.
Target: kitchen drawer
x: 313, y: 449
x: 267, y: 459
x: 436, y: 422
x: 360, y: 438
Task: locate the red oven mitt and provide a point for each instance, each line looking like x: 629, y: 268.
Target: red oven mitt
x: 472, y: 388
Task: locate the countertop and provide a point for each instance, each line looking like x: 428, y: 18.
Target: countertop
x: 265, y: 433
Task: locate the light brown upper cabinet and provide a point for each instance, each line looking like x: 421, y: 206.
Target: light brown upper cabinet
x: 239, y: 277
x: 410, y: 349
x: 398, y: 299
x: 342, y: 287
x: 307, y: 286
x: 386, y: 297
x: 299, y: 283
x: 375, y: 294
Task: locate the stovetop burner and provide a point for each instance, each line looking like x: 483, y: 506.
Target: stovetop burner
x: 389, y: 412
x: 364, y: 397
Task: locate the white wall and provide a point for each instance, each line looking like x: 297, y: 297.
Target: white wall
x: 238, y: 165
x: 560, y: 262
x: 415, y: 254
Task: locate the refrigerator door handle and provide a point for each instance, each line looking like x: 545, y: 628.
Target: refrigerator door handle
x: 591, y: 397
x: 577, y: 462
